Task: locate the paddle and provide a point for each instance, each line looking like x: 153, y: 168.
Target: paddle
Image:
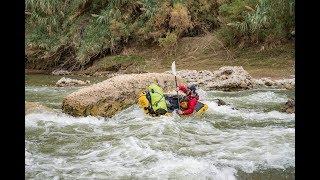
x: 174, y: 72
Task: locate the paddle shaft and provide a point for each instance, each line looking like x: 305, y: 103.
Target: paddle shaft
x: 175, y: 79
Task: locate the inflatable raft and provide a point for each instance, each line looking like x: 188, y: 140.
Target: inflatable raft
x: 155, y: 102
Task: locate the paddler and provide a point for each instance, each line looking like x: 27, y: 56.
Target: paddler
x: 192, y: 98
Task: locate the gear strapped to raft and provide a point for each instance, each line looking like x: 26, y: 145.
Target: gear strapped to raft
x: 153, y: 101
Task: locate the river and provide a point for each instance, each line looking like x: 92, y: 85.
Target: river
x: 248, y: 139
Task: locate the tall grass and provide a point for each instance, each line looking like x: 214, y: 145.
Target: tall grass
x: 91, y: 27
x: 257, y: 21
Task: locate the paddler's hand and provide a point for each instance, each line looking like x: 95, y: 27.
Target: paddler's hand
x: 179, y: 111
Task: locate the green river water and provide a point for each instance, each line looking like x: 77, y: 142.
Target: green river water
x: 253, y: 140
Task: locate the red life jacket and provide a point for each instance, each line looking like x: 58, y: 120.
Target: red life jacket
x: 192, y: 100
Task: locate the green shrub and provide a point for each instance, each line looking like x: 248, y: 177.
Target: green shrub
x: 227, y: 35
x: 169, y: 41
x: 257, y: 21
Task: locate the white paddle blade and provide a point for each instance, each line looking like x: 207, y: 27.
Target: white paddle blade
x: 173, y: 68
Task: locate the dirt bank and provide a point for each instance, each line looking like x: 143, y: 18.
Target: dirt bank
x: 196, y: 53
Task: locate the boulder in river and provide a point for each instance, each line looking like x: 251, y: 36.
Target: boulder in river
x: 70, y: 82
x: 114, y: 94
x: 289, y: 106
x: 221, y: 102
x: 227, y: 78
x: 230, y: 78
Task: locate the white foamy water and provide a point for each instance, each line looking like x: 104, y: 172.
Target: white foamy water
x: 132, y: 145
x: 59, y: 119
x: 263, y: 97
x: 229, y: 111
x: 48, y: 89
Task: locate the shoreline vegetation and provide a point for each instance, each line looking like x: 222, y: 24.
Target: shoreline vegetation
x: 95, y: 37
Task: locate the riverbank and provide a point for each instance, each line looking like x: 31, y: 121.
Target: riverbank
x: 194, y: 53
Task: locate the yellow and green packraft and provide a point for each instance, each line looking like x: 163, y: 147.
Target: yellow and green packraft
x: 154, y: 102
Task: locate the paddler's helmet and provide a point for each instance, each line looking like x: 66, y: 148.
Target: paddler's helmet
x: 183, y: 86
x: 192, y: 87
x: 184, y: 105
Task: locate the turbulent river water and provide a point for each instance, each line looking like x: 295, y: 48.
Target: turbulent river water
x: 247, y: 139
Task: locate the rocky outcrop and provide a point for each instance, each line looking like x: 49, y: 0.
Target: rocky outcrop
x: 112, y: 95
x: 285, y: 83
x: 71, y: 82
x: 60, y: 72
x: 289, y: 106
x: 227, y: 78
x: 116, y: 93
x: 107, y: 74
x: 281, y: 83
x: 32, y: 107
x: 231, y: 78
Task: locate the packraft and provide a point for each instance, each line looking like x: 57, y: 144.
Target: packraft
x: 154, y: 102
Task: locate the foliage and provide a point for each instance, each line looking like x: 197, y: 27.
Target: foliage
x: 179, y: 18
x: 266, y: 21
x: 96, y: 28
x: 169, y: 41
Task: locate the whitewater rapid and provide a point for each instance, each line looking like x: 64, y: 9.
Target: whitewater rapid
x: 249, y: 135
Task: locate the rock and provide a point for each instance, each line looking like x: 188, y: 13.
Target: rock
x: 226, y: 78
x: 221, y: 102
x: 289, y: 106
x: 281, y: 83
x: 206, y: 73
x: 115, y: 94
x: 268, y: 81
x: 230, y: 78
x: 70, y: 82
x: 286, y: 83
x: 32, y: 107
x: 60, y: 72
x: 243, y: 84
x: 107, y: 74
x: 258, y: 82
x: 227, y: 71
x: 289, y: 86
